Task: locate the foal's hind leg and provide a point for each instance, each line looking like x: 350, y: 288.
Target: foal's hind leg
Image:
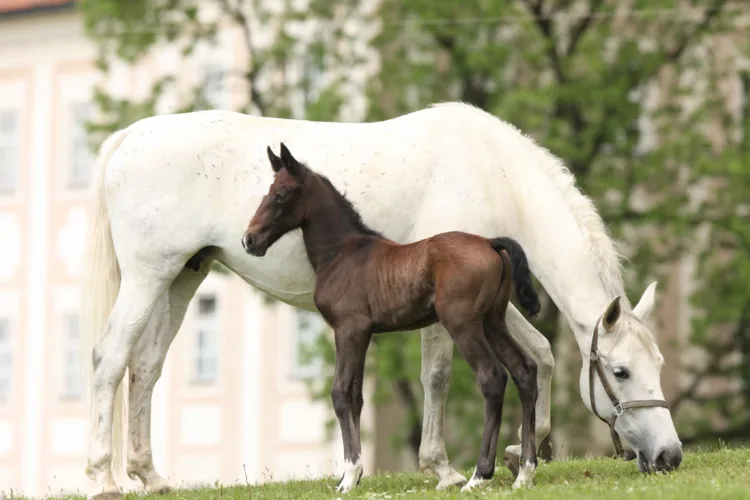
x: 537, y: 347
x: 145, y: 369
x: 466, y: 330
x: 522, y: 369
x: 131, y: 313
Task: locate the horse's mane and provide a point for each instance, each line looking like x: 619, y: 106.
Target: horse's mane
x: 602, y: 250
x: 605, y: 256
x: 347, y: 210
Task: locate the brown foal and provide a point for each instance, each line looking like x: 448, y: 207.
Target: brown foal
x: 366, y: 284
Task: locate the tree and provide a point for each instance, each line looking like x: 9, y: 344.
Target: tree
x: 579, y: 76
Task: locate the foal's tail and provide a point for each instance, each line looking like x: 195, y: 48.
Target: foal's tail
x: 101, y: 281
x: 521, y: 274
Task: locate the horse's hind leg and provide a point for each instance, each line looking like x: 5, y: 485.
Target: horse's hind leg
x: 522, y: 369
x: 145, y: 369
x: 138, y: 295
x: 437, y: 359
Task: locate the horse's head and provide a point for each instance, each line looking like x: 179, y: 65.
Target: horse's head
x: 283, y: 209
x: 630, y: 362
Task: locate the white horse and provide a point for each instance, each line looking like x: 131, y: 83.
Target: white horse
x: 175, y: 192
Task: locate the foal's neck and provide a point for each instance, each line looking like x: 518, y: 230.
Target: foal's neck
x: 328, y: 227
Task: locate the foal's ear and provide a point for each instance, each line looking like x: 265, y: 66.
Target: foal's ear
x: 289, y: 162
x: 276, y: 163
x: 612, y: 314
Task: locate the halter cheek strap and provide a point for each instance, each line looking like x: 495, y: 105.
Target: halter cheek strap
x: 595, y: 365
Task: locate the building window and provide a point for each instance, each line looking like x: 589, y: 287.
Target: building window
x: 206, y: 346
x: 6, y: 361
x: 81, y: 158
x: 309, y: 327
x: 214, y: 93
x: 72, y: 366
x: 9, y: 150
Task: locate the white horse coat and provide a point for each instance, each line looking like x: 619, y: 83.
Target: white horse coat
x: 172, y: 186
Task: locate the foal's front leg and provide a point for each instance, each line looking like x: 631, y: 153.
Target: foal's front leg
x: 352, y: 341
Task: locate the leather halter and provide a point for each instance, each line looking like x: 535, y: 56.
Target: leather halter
x: 619, y: 406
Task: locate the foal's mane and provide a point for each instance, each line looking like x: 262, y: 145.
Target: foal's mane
x: 347, y: 212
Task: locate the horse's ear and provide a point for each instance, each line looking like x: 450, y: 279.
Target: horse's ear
x: 275, y: 160
x: 644, y: 306
x: 612, y: 314
x: 289, y: 162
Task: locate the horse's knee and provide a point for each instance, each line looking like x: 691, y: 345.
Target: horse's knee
x: 492, y: 384
x: 436, y: 373
x: 526, y: 384
x: 139, y: 462
x: 341, y: 399
x: 533, y: 367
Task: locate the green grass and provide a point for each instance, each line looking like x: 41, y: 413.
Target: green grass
x: 718, y: 474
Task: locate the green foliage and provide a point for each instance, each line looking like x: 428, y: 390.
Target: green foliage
x: 574, y: 76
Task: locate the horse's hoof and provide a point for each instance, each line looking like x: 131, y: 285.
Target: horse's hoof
x: 513, y: 463
x: 159, y: 488
x: 108, y: 495
x: 449, y: 480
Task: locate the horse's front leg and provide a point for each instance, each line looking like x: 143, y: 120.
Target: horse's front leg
x: 352, y: 341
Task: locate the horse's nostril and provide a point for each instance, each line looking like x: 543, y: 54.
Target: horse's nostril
x: 247, y: 242
x: 669, y: 459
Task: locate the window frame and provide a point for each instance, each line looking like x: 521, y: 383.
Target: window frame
x: 78, y: 147
x: 302, y: 337
x: 72, y: 351
x: 6, y: 371
x: 11, y: 141
x: 205, y: 345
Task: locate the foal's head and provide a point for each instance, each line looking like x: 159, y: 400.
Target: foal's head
x: 284, y: 208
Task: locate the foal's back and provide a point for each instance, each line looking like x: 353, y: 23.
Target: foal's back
x: 399, y: 286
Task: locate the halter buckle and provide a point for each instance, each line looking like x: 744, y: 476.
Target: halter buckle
x: 594, y: 356
x: 619, y: 410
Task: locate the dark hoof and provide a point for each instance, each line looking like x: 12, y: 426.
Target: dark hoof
x: 512, y: 462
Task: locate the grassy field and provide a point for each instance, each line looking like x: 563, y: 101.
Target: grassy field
x: 717, y: 474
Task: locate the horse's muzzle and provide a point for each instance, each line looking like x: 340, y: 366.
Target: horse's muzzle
x: 252, y: 245
x: 668, y: 459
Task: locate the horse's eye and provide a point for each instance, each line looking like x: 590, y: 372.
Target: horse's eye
x: 621, y: 373
x: 281, y: 196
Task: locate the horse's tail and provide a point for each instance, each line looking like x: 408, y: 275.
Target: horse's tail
x: 101, y: 283
x: 521, y: 274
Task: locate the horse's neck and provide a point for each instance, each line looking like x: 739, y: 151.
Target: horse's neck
x: 560, y: 257
x: 324, y: 233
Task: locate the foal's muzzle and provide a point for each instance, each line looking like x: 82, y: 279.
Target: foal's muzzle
x: 252, y: 245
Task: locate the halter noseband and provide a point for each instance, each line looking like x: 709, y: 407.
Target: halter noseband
x: 619, y: 407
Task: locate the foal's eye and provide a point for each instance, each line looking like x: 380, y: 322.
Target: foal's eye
x: 621, y: 373
x: 281, y: 196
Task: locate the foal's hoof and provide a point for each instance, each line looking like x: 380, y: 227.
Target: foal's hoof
x: 513, y: 463
x: 474, y: 483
